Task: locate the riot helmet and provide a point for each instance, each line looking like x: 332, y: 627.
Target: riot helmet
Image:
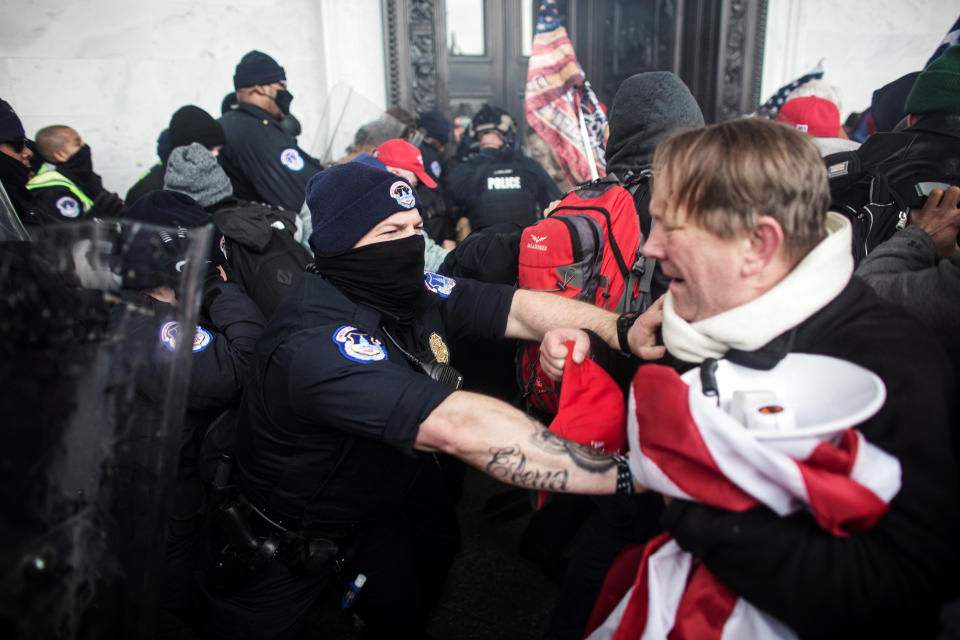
x: 494, y: 119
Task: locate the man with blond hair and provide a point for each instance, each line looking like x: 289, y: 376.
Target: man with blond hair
x: 760, y: 269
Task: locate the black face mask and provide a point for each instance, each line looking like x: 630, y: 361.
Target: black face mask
x: 13, y: 173
x: 79, y: 167
x: 385, y: 275
x: 80, y: 162
x: 283, y: 100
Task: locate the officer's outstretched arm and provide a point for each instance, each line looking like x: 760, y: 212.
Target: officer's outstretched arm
x: 506, y: 444
x: 533, y: 313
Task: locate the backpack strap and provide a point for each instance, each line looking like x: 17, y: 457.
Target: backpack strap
x: 641, y: 272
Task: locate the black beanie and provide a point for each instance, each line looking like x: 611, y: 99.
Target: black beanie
x: 192, y: 124
x: 436, y: 125
x: 257, y: 68
x: 10, y: 126
x: 163, y: 145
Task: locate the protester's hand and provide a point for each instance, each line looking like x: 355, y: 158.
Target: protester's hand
x: 550, y: 208
x: 940, y: 218
x: 553, y: 350
x: 643, y: 334
x: 107, y: 205
x: 449, y: 244
x: 212, y: 279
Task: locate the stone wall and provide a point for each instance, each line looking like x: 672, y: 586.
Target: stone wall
x: 116, y: 70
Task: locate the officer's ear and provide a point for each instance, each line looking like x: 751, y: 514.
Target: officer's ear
x: 262, y: 89
x: 60, y: 156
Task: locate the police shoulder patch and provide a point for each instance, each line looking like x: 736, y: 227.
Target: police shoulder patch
x: 170, y: 333
x: 68, y: 207
x: 357, y: 345
x: 291, y: 159
x: 438, y: 284
x: 435, y: 168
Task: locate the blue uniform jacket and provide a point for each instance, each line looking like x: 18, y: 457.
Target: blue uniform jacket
x: 332, y: 409
x: 268, y: 156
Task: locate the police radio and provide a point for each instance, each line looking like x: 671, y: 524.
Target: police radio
x: 438, y: 371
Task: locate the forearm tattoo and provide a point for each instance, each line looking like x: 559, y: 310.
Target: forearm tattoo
x: 509, y: 464
x: 588, y: 458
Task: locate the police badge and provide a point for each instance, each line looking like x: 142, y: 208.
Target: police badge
x: 439, y: 348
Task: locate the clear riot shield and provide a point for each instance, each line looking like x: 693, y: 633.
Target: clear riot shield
x: 11, y: 229
x: 350, y: 124
x: 88, y: 462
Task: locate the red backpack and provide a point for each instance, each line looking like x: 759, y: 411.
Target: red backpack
x: 588, y: 249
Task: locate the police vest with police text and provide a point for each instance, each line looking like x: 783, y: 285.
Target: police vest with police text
x: 504, y: 192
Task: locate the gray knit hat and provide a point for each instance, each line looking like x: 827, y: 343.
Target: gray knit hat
x: 195, y: 171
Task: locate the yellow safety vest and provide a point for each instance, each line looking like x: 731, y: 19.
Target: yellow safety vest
x: 50, y: 177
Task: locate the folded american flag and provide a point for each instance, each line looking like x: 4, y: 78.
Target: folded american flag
x: 683, y: 446
x: 557, y: 92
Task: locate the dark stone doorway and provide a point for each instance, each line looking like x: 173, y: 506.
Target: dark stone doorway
x: 716, y: 46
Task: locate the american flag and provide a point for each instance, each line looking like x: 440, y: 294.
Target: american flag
x: 771, y: 107
x: 706, y: 456
x: 952, y: 38
x: 557, y: 93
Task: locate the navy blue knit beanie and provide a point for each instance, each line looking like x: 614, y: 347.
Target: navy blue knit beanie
x: 11, y: 129
x: 347, y: 200
x: 257, y: 68
x: 436, y: 125
x: 168, y: 209
x: 150, y: 256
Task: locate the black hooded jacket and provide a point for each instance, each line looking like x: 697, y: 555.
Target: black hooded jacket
x: 647, y: 108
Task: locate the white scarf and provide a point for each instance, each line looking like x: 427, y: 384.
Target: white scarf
x: 815, y: 281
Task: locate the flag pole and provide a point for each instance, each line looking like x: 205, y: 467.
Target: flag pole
x: 585, y: 137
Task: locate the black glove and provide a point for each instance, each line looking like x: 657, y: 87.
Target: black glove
x: 108, y: 205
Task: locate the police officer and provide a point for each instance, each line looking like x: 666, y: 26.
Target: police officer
x: 257, y: 144
x: 437, y: 220
x: 499, y: 184
x: 15, y: 158
x: 66, y: 188
x: 351, y: 391
x: 222, y: 344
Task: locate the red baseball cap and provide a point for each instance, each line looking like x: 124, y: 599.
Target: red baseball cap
x: 818, y: 117
x: 403, y: 155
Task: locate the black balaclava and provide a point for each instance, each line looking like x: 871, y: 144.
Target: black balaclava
x: 79, y: 168
x: 13, y: 172
x: 385, y: 275
x: 14, y: 176
x: 646, y: 109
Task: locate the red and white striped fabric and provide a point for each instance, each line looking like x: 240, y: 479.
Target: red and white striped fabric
x: 683, y: 446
